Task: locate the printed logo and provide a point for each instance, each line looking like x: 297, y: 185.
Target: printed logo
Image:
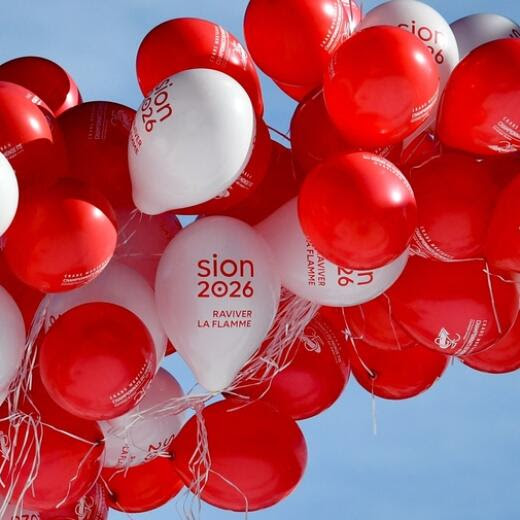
x: 311, y: 341
x: 444, y: 341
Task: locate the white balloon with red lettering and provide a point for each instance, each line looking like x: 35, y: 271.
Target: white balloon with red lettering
x: 476, y: 29
x: 8, y: 194
x: 310, y: 276
x: 426, y: 23
x: 119, y: 285
x: 14, y: 513
x: 144, y: 433
x: 12, y: 341
x: 191, y: 139
x: 217, y: 292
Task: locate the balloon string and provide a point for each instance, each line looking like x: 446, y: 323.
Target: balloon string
x: 350, y: 337
x: 278, y: 132
x: 492, y: 298
x: 394, y: 330
x: 113, y: 496
x: 373, y: 409
x: 237, y: 489
x: 133, y: 214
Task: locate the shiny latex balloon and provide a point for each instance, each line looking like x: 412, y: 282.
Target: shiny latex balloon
x: 97, y: 361
x: 61, y: 238
x: 278, y: 186
x: 12, y: 340
x: 191, y: 43
x: 143, y: 238
x: 456, y: 195
x: 396, y: 374
x: 485, y: 79
x: 358, y: 210
x: 135, y: 438
x: 119, y: 285
x: 476, y: 29
x: 296, y: 92
x: 70, y: 453
x: 504, y: 168
x: 250, y: 178
x: 191, y: 139
x: 46, y: 79
x: 93, y: 506
x: 424, y: 22
x: 292, y: 40
x: 142, y: 488
x: 9, y: 194
x: 310, y: 276
x: 418, y: 151
x: 455, y: 308
x: 382, y: 84
x: 217, y: 292
x: 500, y: 358
x: 316, y: 374
x: 253, y: 448
x: 314, y: 138
x: 21, y: 514
x: 96, y: 139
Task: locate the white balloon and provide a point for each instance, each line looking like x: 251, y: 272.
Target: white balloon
x: 426, y: 23
x: 217, y: 292
x: 130, y: 442
x: 12, y: 341
x: 8, y: 194
x: 13, y: 514
x: 476, y: 29
x: 190, y: 140
x: 119, y: 285
x: 308, y: 275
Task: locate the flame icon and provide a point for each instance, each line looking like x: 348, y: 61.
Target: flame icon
x: 444, y: 341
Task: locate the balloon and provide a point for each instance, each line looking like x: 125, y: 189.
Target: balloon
x: 456, y: 195
x: 70, y: 454
x: 253, y: 448
x: 190, y: 140
x: 8, y: 194
x: 217, y: 293
x: 315, y: 377
x: 424, y: 22
x: 500, y: 358
x: 418, y: 151
x: 396, y: 374
x: 45, y: 78
x: 97, y: 361
x: 131, y: 441
x: 292, y: 40
x: 143, y: 239
x: 358, y: 210
x: 144, y: 487
x: 61, y: 238
x: 249, y: 180
x: 190, y: 43
x: 382, y: 84
x: 455, y: 308
x: 16, y: 514
x: 296, y: 92
x: 476, y: 29
x: 119, y: 285
x: 310, y: 276
x: 96, y: 138
x: 12, y: 341
x: 486, y: 79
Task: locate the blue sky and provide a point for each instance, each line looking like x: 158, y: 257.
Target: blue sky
x: 452, y: 453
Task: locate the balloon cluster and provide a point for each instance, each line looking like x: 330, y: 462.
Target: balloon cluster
x: 385, y: 240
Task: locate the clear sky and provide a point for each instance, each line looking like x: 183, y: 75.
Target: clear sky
x: 452, y: 453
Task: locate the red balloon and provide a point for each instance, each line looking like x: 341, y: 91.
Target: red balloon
x: 315, y: 139
x: 480, y: 108
x: 249, y: 180
x: 46, y: 79
x: 455, y: 308
x: 503, y: 167
x: 456, y: 195
x: 396, y: 374
x: 253, y: 446
x: 97, y: 360
x: 278, y: 186
x: 61, y: 238
x: 96, y: 139
x: 382, y: 84
x: 314, y: 379
x: 190, y: 43
x: 502, y: 357
x: 70, y: 454
x: 292, y: 40
x: 358, y: 210
x: 170, y: 349
x: 142, y: 488
x: 423, y: 148
x: 296, y: 92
